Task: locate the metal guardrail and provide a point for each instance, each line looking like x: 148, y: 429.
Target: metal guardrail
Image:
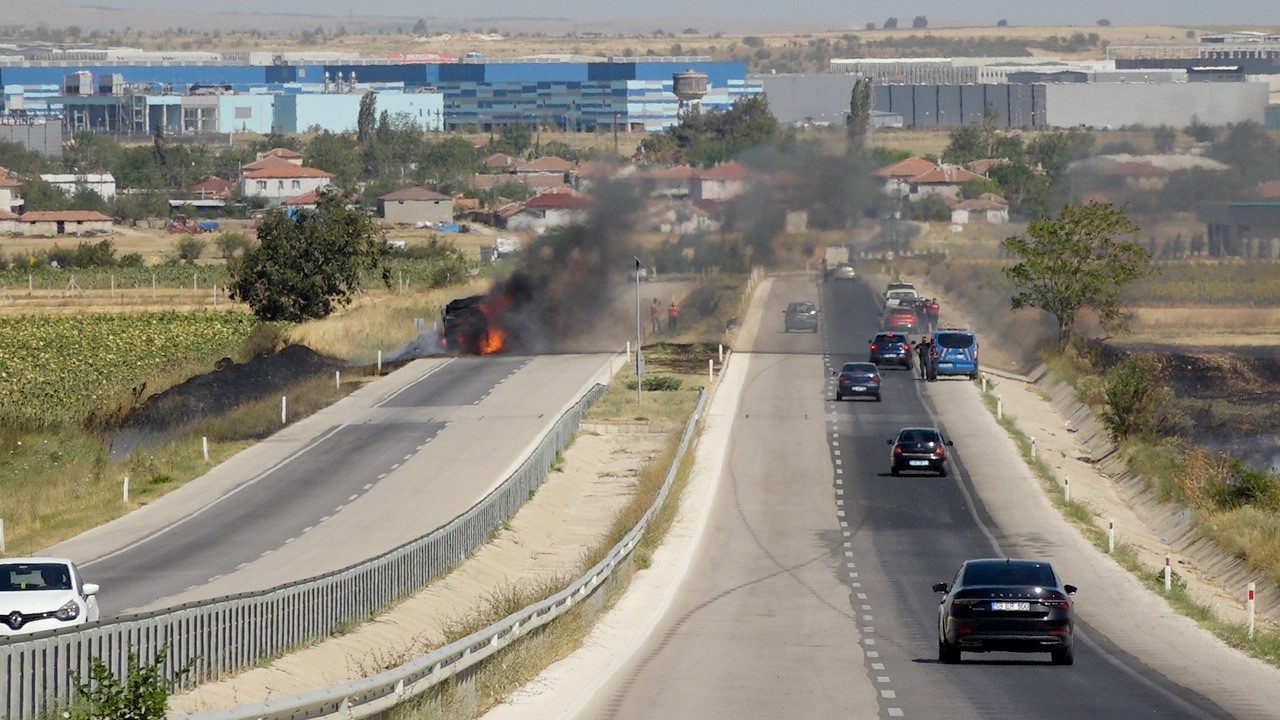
x: 371, y: 696
x: 229, y: 633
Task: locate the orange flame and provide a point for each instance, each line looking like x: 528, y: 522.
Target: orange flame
x: 494, y: 340
x: 495, y: 337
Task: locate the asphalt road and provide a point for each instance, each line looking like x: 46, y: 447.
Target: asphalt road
x: 810, y: 594
x: 418, y: 453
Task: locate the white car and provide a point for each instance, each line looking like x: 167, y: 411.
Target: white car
x: 43, y: 593
x: 899, y: 296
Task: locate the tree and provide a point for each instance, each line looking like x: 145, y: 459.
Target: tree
x: 307, y: 265
x: 1002, y: 23
x: 1166, y: 138
x: 859, y: 120
x: 367, y: 116
x: 420, y: 27
x: 1074, y: 261
x: 891, y: 24
x: 1104, y: 22
x: 870, y: 26
x: 920, y: 22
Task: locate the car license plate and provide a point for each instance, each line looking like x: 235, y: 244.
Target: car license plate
x: 918, y: 463
x: 1011, y: 606
x: 859, y: 389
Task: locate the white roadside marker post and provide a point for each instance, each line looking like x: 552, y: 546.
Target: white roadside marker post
x: 1066, y: 489
x: 1111, y: 537
x: 204, y: 447
x: 284, y: 409
x: 711, y: 370
x: 1168, y: 573
x: 1249, y: 606
x: 999, y: 408
x: 126, y: 489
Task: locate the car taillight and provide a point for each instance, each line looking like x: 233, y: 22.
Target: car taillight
x: 845, y: 378
x: 1056, y: 604
x: 875, y: 346
x: 965, y: 602
x: 940, y: 451
x: 875, y: 378
x: 897, y: 450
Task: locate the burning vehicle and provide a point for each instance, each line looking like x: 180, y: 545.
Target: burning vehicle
x: 482, y: 324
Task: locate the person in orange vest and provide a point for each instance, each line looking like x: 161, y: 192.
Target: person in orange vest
x: 673, y: 316
x: 655, y: 312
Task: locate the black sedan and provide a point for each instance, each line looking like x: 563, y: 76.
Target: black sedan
x: 920, y: 449
x: 1006, y: 605
x: 858, y: 379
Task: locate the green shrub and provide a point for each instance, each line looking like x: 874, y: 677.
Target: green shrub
x: 1134, y: 401
x: 142, y: 694
x: 658, y: 382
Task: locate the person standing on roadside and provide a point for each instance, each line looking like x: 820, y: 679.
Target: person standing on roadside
x: 933, y: 310
x: 673, y: 316
x: 933, y: 362
x: 655, y: 313
x: 923, y: 351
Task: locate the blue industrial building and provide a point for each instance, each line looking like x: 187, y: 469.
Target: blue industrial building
x: 582, y: 94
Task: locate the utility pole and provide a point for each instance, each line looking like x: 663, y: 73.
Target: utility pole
x: 639, y: 338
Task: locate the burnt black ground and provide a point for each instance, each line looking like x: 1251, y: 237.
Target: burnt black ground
x: 226, y: 388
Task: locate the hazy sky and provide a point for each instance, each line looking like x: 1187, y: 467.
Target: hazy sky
x: 815, y: 13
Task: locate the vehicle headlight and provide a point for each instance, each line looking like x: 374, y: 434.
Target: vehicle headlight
x: 70, y: 611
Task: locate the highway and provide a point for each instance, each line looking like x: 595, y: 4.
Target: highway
x: 810, y: 593
x: 380, y: 468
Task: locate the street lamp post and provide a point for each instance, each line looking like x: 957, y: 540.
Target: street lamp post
x: 639, y: 338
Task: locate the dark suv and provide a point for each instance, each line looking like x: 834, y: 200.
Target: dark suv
x: 891, y: 349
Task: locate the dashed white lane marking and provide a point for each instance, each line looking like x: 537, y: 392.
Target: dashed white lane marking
x: 862, y: 596
x: 286, y: 542
x: 308, y: 528
x: 406, y: 457
x: 393, y: 467
x: 353, y: 497
x: 242, y: 566
x: 873, y: 653
x: 877, y: 666
x: 370, y: 485
x: 869, y: 641
x: 895, y: 712
x: 326, y: 517
x: 888, y: 694
x: 381, y: 476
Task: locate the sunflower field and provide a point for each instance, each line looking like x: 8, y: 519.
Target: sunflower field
x: 55, y: 371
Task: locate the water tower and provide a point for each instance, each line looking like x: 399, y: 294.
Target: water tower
x: 690, y: 87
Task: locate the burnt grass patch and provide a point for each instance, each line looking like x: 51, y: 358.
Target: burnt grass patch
x: 217, y: 393
x: 680, y: 358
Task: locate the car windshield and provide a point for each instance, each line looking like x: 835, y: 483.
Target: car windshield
x: 800, y: 308
x: 34, y: 576
x: 954, y: 340
x: 1004, y: 573
x: 899, y: 294
x: 889, y: 339
x: 864, y: 368
x: 918, y: 435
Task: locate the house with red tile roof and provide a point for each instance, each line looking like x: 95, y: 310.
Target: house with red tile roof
x: 943, y: 180
x: 675, y: 181
x: 549, y: 165
x: 895, y: 175
x: 550, y: 209
x: 500, y: 161
x: 213, y: 188
x: 278, y: 183
x: 680, y: 217
x: 10, y: 191
x: 986, y: 208
x: 722, y: 182
x: 50, y: 223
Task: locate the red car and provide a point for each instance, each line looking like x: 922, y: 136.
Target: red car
x: 901, y: 318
